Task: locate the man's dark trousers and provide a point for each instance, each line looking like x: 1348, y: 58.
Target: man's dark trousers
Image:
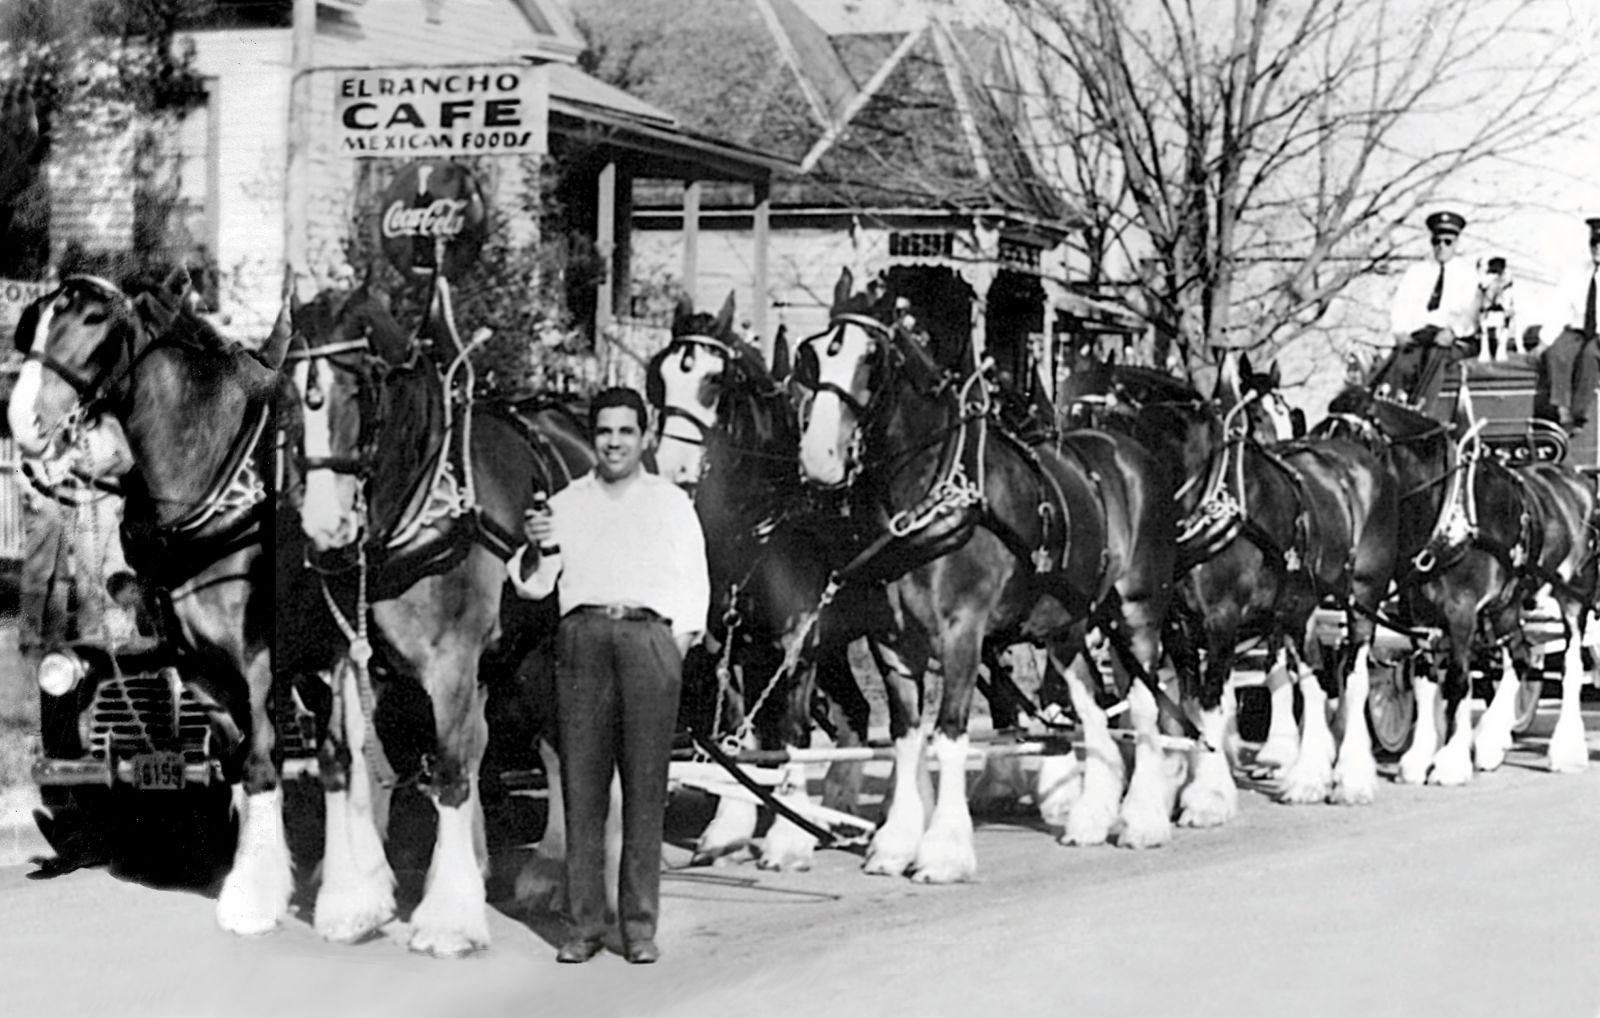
x: 617, y: 685
x: 1416, y: 368
x: 1572, y: 364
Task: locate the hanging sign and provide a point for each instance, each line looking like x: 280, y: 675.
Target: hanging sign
x: 405, y: 112
x: 433, y: 217
x: 15, y: 295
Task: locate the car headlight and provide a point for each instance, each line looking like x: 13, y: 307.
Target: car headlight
x: 60, y: 673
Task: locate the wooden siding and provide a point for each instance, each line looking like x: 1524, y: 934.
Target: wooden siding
x: 394, y: 34
x: 248, y: 75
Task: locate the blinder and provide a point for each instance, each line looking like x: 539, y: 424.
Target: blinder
x: 369, y: 369
x: 685, y: 348
x: 91, y: 391
x: 807, y: 370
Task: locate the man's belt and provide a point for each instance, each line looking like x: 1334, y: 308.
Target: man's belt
x: 622, y: 613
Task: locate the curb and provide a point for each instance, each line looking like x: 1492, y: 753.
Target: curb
x: 20, y: 839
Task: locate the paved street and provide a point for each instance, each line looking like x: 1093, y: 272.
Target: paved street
x: 1448, y: 902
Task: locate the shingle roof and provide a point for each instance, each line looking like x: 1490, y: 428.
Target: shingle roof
x: 913, y: 112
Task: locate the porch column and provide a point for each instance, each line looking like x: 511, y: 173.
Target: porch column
x: 691, y: 240
x: 763, y: 228
x: 605, y: 241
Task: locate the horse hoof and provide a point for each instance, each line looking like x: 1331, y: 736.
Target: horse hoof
x: 447, y: 943
x: 351, y: 922
x: 1210, y: 810
x: 886, y: 864
x: 1450, y: 774
x: 945, y: 873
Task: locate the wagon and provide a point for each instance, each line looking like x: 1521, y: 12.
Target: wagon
x: 1504, y: 397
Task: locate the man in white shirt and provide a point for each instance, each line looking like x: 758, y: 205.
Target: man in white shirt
x: 623, y: 551
x: 1571, y: 365
x: 1434, y: 317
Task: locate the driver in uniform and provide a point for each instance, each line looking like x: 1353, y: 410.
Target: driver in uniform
x: 1433, y: 317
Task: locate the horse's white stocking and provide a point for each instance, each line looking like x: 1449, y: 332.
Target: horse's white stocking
x: 1416, y: 760
x: 730, y: 832
x: 946, y: 854
x: 1282, y: 744
x: 1493, y: 739
x: 1452, y: 765
x: 255, y: 895
x: 1091, y: 816
x: 1569, y: 746
x: 357, y: 892
x: 894, y: 846
x: 1147, y: 808
x: 1058, y: 785
x: 788, y: 846
x: 1211, y: 798
x: 1355, y: 776
x: 1310, y: 777
x: 452, y: 919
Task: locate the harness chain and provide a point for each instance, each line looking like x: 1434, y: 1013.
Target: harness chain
x: 360, y: 654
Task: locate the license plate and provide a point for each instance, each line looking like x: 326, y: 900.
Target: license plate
x: 158, y: 770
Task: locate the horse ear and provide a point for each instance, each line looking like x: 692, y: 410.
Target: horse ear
x: 725, y: 316
x: 1275, y: 375
x: 178, y: 282
x: 843, y: 288
x: 152, y: 311
x: 681, y: 313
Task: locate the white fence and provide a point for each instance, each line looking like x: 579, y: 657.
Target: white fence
x: 11, y: 482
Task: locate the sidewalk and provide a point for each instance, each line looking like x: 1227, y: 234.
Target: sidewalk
x: 20, y: 839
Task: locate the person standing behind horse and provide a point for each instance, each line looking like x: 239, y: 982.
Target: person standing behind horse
x: 1434, y: 317
x: 1571, y: 365
x: 624, y: 552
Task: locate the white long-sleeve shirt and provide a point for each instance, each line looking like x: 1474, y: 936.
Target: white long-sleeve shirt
x: 637, y: 544
x: 1458, y: 303
x: 1574, y: 294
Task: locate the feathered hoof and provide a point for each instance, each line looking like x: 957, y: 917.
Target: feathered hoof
x: 348, y: 917
x: 1210, y: 808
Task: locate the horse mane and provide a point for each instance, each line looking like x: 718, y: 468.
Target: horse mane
x: 175, y: 322
x: 1152, y: 385
x: 1392, y: 418
x: 413, y: 424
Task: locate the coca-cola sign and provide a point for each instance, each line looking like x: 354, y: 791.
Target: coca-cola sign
x: 433, y: 219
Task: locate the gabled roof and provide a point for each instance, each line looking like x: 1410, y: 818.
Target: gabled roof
x: 884, y: 103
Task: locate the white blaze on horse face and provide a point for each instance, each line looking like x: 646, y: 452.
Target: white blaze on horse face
x: 830, y: 430
x: 684, y: 378
x: 328, y: 516
x: 24, y: 410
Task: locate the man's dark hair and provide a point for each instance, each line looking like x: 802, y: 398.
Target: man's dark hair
x: 619, y: 395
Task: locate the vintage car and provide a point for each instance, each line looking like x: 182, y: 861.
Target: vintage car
x: 135, y: 754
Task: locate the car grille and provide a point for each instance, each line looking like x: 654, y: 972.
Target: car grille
x: 134, y: 714
x: 296, y: 725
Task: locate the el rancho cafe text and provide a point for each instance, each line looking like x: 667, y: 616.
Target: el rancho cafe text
x: 405, y: 112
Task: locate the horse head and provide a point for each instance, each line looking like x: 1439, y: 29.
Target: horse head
x: 343, y: 348
x: 845, y: 372
x: 81, y: 343
x: 685, y: 382
x: 1268, y: 413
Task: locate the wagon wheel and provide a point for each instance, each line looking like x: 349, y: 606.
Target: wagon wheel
x: 1391, y: 707
x: 1526, y: 707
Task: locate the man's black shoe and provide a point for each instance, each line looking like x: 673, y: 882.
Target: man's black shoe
x: 578, y: 950
x: 645, y: 952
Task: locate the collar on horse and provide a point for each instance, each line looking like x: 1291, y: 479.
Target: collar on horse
x: 1222, y: 515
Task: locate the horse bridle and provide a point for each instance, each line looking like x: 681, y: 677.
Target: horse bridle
x: 369, y: 369
x: 96, y: 390
x: 690, y: 342
x: 806, y: 371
